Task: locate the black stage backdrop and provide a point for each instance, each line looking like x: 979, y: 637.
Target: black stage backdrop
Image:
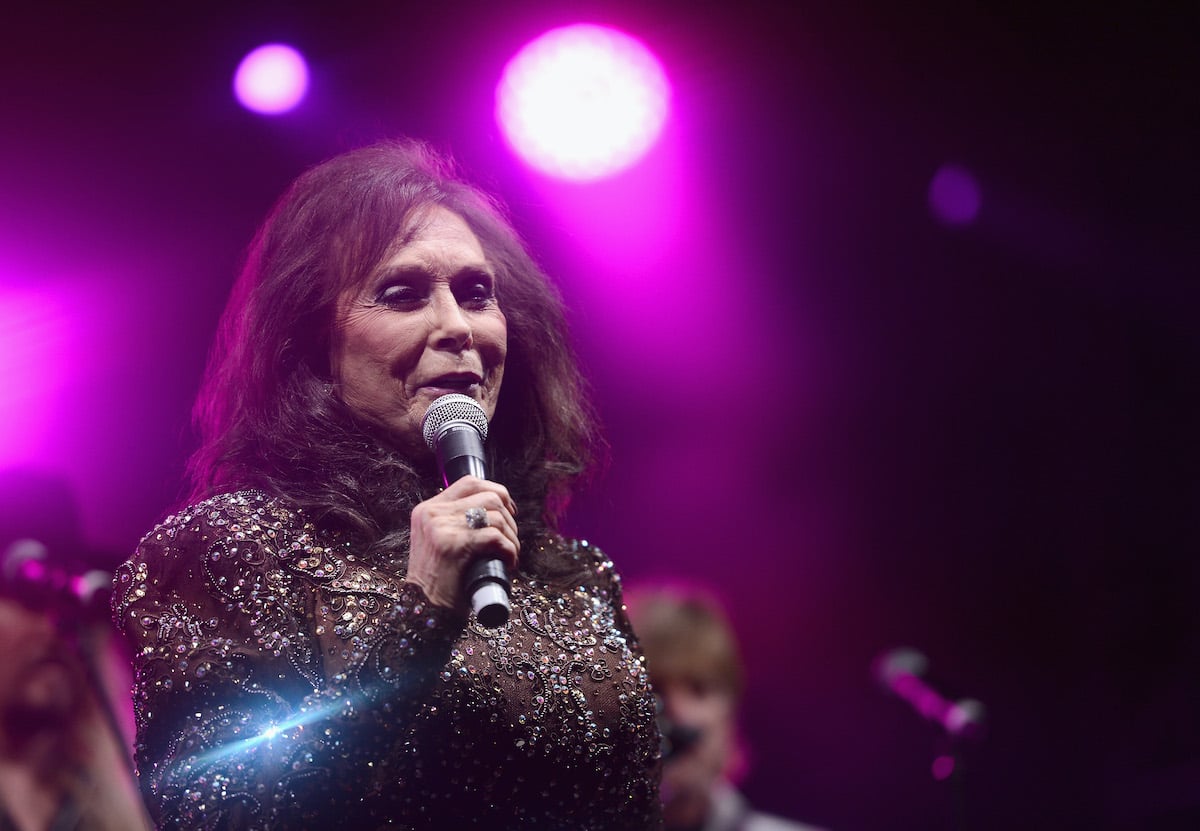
x: 864, y: 427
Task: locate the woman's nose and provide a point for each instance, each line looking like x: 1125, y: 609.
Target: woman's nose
x: 451, y: 329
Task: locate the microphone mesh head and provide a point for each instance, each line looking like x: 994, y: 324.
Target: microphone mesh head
x: 903, y: 660
x: 448, y: 409
x: 19, y: 553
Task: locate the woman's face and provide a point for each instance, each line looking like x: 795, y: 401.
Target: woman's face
x: 424, y: 324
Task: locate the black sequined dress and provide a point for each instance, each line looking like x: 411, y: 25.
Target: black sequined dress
x: 285, y: 682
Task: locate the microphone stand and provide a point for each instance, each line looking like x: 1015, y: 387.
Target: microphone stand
x: 950, y: 765
x: 960, y: 721
x: 87, y: 639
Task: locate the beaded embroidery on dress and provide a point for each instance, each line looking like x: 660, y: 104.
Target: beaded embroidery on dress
x: 285, y: 682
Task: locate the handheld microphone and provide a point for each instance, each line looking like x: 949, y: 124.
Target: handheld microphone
x: 30, y: 577
x: 677, y: 739
x: 455, y: 428
x: 902, y: 671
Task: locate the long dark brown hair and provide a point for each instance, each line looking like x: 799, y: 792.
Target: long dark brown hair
x: 265, y: 414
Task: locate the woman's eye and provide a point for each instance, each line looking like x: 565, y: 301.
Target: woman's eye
x: 476, y: 291
x: 398, y: 294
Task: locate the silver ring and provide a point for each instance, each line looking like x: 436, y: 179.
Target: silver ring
x: 476, y: 518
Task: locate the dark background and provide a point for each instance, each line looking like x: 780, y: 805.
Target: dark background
x: 864, y: 428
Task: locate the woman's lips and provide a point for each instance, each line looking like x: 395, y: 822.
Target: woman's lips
x: 440, y: 391
x: 452, y: 379
x: 447, y: 384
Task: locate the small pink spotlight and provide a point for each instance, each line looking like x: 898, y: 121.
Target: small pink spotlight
x: 582, y: 102
x: 271, y: 80
x: 942, y: 768
x: 954, y: 195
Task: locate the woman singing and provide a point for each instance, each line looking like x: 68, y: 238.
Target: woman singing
x: 305, y: 655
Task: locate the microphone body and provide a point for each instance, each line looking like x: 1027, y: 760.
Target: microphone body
x: 455, y: 427
x: 459, y: 449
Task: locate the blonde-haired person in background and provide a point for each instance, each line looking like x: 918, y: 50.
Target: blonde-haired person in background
x: 696, y: 670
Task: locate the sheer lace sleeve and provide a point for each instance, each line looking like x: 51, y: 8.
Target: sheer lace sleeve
x: 257, y: 652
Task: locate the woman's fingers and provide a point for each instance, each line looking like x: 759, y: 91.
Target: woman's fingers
x: 469, y: 493
x: 493, y: 514
x: 471, y: 519
x: 469, y: 485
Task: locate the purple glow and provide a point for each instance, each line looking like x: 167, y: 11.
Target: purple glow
x: 582, y: 102
x: 33, y: 356
x: 627, y: 222
x: 65, y: 348
x: 271, y: 80
x: 954, y: 195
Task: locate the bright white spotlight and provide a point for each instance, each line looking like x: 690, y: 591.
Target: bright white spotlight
x: 271, y: 80
x: 582, y: 102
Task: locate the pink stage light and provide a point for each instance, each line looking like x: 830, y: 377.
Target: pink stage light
x: 271, y: 80
x: 582, y: 102
x: 954, y: 195
x: 942, y: 767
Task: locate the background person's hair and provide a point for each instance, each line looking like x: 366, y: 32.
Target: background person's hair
x: 686, y: 637
x: 265, y: 413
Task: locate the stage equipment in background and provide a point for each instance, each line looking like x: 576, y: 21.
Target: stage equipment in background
x: 904, y: 673
x: 32, y: 578
x: 59, y: 727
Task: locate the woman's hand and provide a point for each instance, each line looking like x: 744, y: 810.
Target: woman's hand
x: 443, y: 542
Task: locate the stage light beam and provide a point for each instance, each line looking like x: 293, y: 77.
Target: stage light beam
x: 35, y: 358
x: 582, y: 102
x: 271, y: 80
